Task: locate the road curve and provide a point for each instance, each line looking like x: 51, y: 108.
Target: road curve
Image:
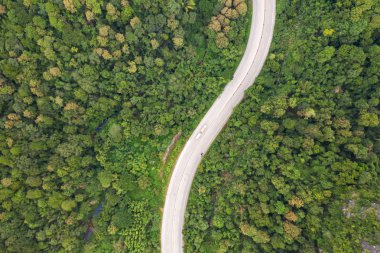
x: 262, y: 26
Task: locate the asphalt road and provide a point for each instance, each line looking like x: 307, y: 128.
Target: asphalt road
x: 262, y: 26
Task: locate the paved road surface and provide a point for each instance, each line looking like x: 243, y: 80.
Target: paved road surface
x: 260, y: 37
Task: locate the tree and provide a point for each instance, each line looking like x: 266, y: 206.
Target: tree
x: 218, y: 221
x: 68, y: 205
x: 326, y: 54
x: 34, y: 194
x: 105, y: 178
x: 178, y: 42
x: 70, y: 5
x: 3, y: 10
x: 34, y: 181
x: 368, y: 120
x: 115, y: 132
x: 221, y: 40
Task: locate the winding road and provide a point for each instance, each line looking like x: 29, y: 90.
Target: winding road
x: 262, y: 26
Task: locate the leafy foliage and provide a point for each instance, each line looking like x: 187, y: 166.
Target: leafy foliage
x: 91, y: 93
x: 303, y: 144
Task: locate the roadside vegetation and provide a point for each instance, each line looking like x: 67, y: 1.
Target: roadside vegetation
x: 297, y: 167
x: 91, y: 94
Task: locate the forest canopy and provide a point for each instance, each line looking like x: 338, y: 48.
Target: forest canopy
x: 91, y: 94
x: 297, y: 167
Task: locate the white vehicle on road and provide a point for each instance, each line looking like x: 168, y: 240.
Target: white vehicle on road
x: 201, y: 132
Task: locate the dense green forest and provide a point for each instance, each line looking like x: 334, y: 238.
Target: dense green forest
x: 297, y: 167
x: 91, y: 94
